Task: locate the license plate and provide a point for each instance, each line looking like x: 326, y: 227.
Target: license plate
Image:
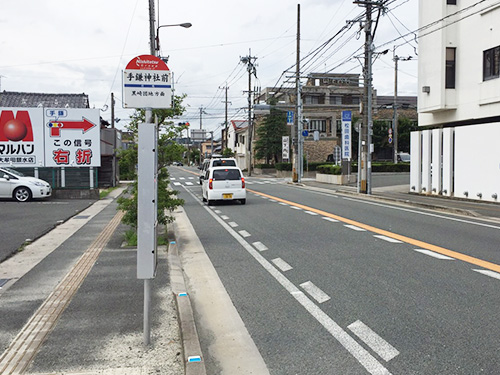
x: 227, y: 196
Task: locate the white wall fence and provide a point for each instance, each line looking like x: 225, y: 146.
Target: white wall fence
x: 461, y: 162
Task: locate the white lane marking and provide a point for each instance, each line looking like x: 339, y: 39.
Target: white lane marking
x: 388, y: 239
x: 283, y: 204
x: 433, y: 254
x: 365, y: 358
x: 172, y: 178
x: 224, y: 217
x: 496, y: 275
x: 264, y: 197
x: 189, y: 183
x: 177, y: 183
x: 233, y: 224
x: 353, y: 227
x: 385, y: 350
x: 311, y: 213
x: 422, y: 213
x: 282, y: 265
x: 296, y: 208
x: 244, y: 233
x: 260, y: 246
x: 190, y: 178
x: 330, y: 219
x: 182, y: 178
x: 315, y: 292
x: 272, y: 200
x: 218, y: 211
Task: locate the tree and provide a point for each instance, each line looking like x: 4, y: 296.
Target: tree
x: 270, y: 133
x: 168, y: 151
x: 228, y: 153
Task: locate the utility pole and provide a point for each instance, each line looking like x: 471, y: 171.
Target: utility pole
x: 250, y: 60
x: 365, y: 162
x: 396, y: 58
x: 395, y: 109
x: 225, y: 122
x: 202, y: 111
x: 296, y: 130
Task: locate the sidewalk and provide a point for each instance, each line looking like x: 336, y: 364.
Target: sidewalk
x: 78, y: 307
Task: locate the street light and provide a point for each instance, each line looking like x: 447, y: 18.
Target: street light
x: 186, y: 25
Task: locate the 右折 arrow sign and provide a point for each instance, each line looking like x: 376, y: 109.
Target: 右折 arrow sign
x: 56, y: 126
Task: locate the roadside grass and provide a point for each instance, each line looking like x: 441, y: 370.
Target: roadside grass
x: 105, y: 192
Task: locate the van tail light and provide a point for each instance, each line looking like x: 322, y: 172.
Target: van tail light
x: 210, y: 183
x: 243, y: 182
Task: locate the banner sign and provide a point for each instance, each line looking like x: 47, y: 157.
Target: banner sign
x: 50, y: 137
x: 285, y: 146
x: 346, y: 134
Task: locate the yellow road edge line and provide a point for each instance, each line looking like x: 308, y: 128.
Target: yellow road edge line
x: 420, y: 244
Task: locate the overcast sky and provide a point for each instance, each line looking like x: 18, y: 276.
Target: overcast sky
x: 68, y: 46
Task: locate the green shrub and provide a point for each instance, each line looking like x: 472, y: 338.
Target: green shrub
x: 283, y: 166
x: 264, y: 166
x: 329, y: 169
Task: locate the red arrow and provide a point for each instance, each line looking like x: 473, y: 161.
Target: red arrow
x: 56, y: 126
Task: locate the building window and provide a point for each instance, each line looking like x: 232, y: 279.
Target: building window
x: 450, y: 68
x: 451, y: 2
x: 335, y: 100
x: 350, y: 100
x: 313, y: 125
x: 315, y: 99
x: 491, y: 63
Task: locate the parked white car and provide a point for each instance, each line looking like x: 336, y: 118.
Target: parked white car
x: 224, y: 183
x: 14, y: 184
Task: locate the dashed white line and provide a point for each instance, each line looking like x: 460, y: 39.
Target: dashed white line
x: 217, y: 211
x: 244, y: 233
x: 189, y: 183
x: 296, y: 208
x: 311, y: 213
x: 354, y: 227
x: 177, y: 183
x: 224, y: 217
x: 283, y: 204
x: 272, y: 200
x: 260, y: 246
x: 315, y: 292
x: 385, y: 350
x: 232, y: 224
x: 282, y: 265
x: 388, y: 239
x: 433, y: 254
x: 493, y: 274
x: 330, y: 219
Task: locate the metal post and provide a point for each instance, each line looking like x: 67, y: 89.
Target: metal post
x: 369, y: 99
x: 147, y: 312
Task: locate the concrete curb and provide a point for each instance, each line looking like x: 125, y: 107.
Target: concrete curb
x: 193, y: 359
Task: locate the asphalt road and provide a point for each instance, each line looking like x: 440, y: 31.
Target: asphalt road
x: 30, y: 220
x: 334, y: 284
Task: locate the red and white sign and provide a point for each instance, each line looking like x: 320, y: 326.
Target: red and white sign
x: 146, y: 83
x: 50, y: 137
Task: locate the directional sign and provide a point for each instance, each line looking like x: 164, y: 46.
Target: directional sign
x: 289, y: 117
x: 146, y: 83
x: 56, y: 126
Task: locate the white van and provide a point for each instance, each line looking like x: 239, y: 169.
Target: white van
x: 224, y: 183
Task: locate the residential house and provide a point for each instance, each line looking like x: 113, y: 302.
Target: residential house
x: 235, y: 137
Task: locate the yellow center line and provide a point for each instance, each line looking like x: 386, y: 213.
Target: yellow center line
x: 420, y: 244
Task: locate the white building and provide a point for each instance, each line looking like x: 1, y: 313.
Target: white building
x: 237, y: 140
x: 456, y: 153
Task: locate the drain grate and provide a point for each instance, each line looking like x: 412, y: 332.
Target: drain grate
x: 3, y: 282
x: 82, y: 217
